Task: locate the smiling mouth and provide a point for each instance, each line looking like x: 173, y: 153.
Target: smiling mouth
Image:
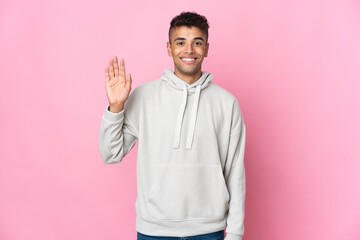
x: 188, y: 60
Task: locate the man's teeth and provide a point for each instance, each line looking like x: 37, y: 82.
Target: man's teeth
x: 188, y: 59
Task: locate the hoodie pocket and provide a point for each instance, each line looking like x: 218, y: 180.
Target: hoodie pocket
x: 188, y: 191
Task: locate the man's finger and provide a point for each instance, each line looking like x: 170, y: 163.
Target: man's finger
x: 128, y: 81
x: 107, y: 77
x: 111, y: 71
x: 122, y: 68
x: 116, y: 66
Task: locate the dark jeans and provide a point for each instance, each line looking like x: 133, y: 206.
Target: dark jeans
x: 219, y: 235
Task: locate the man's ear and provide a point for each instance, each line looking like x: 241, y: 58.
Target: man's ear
x: 169, y: 49
x: 207, y: 49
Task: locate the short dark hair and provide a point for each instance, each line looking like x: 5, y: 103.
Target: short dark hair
x: 189, y: 19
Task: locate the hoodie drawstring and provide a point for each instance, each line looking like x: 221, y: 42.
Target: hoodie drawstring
x: 190, y: 138
x: 180, y: 118
x: 193, y: 118
x: 177, y: 83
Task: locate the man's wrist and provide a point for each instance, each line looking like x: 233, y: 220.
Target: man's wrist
x: 115, y: 108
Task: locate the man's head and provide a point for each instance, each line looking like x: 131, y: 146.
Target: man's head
x: 189, y: 19
x: 188, y: 43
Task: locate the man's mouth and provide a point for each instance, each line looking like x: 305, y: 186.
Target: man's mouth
x: 188, y: 60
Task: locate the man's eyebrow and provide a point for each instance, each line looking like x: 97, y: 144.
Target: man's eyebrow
x: 181, y: 38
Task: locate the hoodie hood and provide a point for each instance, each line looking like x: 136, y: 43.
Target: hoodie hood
x: 175, y: 82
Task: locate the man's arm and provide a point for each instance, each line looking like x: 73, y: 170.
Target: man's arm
x: 235, y: 180
x: 117, y: 136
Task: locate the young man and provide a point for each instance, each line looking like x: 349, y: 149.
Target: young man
x: 191, y: 142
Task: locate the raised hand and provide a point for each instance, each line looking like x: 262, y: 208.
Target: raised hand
x: 117, y: 86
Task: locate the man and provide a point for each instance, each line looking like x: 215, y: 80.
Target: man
x: 191, y: 142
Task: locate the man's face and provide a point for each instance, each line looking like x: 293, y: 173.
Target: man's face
x: 188, y: 50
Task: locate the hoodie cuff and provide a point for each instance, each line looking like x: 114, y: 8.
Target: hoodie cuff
x: 230, y: 236
x: 113, y: 117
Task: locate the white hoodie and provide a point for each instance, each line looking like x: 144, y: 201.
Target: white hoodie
x: 190, y: 158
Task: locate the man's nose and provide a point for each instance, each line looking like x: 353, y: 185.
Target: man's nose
x: 189, y: 48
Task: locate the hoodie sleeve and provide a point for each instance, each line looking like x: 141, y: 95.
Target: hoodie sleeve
x: 118, y: 134
x: 235, y: 177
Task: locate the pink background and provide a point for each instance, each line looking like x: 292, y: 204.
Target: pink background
x: 293, y: 66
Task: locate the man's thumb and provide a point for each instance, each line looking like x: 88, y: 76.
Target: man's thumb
x: 128, y: 80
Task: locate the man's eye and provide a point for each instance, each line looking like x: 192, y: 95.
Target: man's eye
x: 180, y: 43
x: 198, y: 43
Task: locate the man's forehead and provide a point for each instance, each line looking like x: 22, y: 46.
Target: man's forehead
x: 185, y: 32
x: 184, y: 38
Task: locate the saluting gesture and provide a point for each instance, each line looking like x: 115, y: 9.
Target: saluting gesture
x: 117, y: 86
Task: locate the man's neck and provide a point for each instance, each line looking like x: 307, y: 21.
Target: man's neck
x: 190, y: 79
